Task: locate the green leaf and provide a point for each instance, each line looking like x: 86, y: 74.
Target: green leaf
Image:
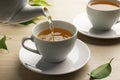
x: 44, y: 3
x: 28, y: 22
x: 102, y: 71
x: 39, y: 3
x: 3, y: 44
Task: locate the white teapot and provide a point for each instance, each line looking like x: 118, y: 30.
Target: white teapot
x: 17, y: 11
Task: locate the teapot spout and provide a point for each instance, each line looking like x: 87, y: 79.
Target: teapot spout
x: 28, y: 13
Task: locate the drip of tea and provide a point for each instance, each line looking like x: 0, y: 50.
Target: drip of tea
x: 53, y: 33
x: 51, y: 26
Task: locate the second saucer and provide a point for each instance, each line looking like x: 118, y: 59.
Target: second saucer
x: 84, y: 26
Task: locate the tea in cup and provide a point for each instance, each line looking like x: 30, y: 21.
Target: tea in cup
x: 58, y: 35
x: 103, y: 14
x: 52, y: 47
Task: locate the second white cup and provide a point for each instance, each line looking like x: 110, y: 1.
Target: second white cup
x: 103, y: 14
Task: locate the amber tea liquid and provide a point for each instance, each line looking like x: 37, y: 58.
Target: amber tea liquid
x: 59, y: 34
x: 104, y: 5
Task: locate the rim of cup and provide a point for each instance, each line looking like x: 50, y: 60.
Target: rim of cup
x: 115, y: 2
x: 43, y: 22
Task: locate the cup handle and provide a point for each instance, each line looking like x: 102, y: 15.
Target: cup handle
x: 26, y: 47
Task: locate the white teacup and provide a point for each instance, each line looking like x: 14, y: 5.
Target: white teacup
x: 103, y: 14
x: 52, y: 51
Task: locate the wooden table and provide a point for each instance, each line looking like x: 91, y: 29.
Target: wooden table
x: 101, y: 50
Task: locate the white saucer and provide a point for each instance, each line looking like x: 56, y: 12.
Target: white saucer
x: 85, y: 27
x: 77, y: 58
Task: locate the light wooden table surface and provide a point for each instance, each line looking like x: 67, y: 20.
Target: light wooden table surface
x: 101, y: 50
